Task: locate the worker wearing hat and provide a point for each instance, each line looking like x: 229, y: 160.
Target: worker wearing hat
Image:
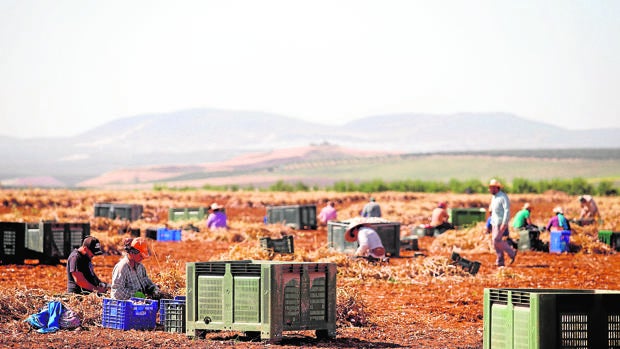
x: 558, y: 221
x: 370, y: 244
x: 371, y: 209
x: 129, y: 277
x: 217, y: 217
x: 522, y: 219
x: 500, y: 215
x: 81, y: 277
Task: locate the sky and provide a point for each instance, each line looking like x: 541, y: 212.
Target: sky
x: 67, y: 66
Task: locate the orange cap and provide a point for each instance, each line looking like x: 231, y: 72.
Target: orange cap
x: 141, y: 245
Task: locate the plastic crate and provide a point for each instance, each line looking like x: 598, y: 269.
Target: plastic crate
x: 185, y: 214
x: 389, y: 232
x: 175, y: 318
x: 283, y: 245
x: 164, y: 302
x: 529, y: 240
x: 462, y: 217
x: 131, y: 212
x: 295, y: 216
x: 467, y: 265
x: 611, y: 238
x: 410, y: 243
x: 559, y: 241
x: 422, y: 231
x: 132, y: 314
x: 164, y: 234
x: 551, y: 318
x: 261, y: 297
x: 12, y: 239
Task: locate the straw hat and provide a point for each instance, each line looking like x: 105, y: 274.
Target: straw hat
x: 215, y: 206
x: 495, y: 183
x: 526, y: 205
x: 558, y: 209
x: 350, y: 234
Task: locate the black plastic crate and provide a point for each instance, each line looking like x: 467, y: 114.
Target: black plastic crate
x: 12, y: 237
x: 295, y: 216
x: 49, y: 242
x: 467, y: 265
x: 283, y: 245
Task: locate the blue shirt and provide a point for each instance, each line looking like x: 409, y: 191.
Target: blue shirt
x: 500, y: 209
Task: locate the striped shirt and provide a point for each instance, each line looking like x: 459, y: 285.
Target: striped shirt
x: 126, y: 281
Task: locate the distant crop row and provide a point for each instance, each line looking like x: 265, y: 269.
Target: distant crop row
x: 575, y: 186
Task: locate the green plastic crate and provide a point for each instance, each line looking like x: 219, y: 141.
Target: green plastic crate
x: 295, y: 216
x: 462, y: 217
x: 261, y: 297
x: 188, y: 214
x: 551, y: 319
x: 389, y: 232
x: 611, y: 238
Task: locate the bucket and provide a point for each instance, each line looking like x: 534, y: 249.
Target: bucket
x: 559, y: 241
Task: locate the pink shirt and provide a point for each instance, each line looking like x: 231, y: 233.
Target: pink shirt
x: 328, y: 213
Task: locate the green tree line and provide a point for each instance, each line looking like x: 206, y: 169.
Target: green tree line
x: 575, y: 186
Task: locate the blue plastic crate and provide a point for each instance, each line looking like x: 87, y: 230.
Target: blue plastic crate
x: 164, y: 234
x: 559, y: 241
x: 132, y: 314
x: 164, y: 302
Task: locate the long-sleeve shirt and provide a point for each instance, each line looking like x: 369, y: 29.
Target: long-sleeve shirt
x: 127, y: 280
x: 500, y: 209
x: 328, y: 213
x: 558, y: 221
x: 217, y: 219
x: 371, y: 209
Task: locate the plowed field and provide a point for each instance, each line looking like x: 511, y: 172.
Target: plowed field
x: 418, y: 300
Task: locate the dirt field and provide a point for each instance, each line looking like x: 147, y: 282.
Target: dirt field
x: 417, y: 301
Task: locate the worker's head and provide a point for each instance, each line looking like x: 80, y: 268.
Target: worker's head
x: 137, y: 248
x: 215, y: 206
x: 582, y: 199
x: 558, y: 210
x: 441, y: 204
x: 93, y: 245
x: 494, y: 186
x: 350, y: 234
x: 372, y: 199
x: 331, y: 203
x: 526, y: 206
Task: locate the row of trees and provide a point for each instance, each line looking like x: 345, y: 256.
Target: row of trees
x: 575, y: 186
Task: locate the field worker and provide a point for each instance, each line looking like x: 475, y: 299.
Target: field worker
x: 489, y: 228
x: 328, y: 213
x: 371, y: 209
x: 81, y: 277
x: 522, y: 219
x: 500, y: 215
x: 589, y: 210
x: 217, y: 218
x: 440, y: 216
x: 370, y: 245
x: 129, y: 278
x: 558, y: 221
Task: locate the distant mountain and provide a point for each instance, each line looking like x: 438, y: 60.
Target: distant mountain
x: 209, y: 135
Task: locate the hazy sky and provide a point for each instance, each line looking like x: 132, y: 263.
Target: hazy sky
x: 68, y: 66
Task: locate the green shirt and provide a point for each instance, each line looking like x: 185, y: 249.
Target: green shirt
x: 520, y: 220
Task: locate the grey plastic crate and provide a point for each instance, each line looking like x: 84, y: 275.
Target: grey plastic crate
x: 263, y: 298
x: 283, y: 245
x: 49, y: 242
x: 389, y: 232
x: 296, y: 216
x: 185, y: 214
x: 130, y: 212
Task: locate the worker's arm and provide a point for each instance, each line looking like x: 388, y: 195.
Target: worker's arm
x: 81, y: 281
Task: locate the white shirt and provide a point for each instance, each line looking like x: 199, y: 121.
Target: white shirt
x: 368, y: 240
